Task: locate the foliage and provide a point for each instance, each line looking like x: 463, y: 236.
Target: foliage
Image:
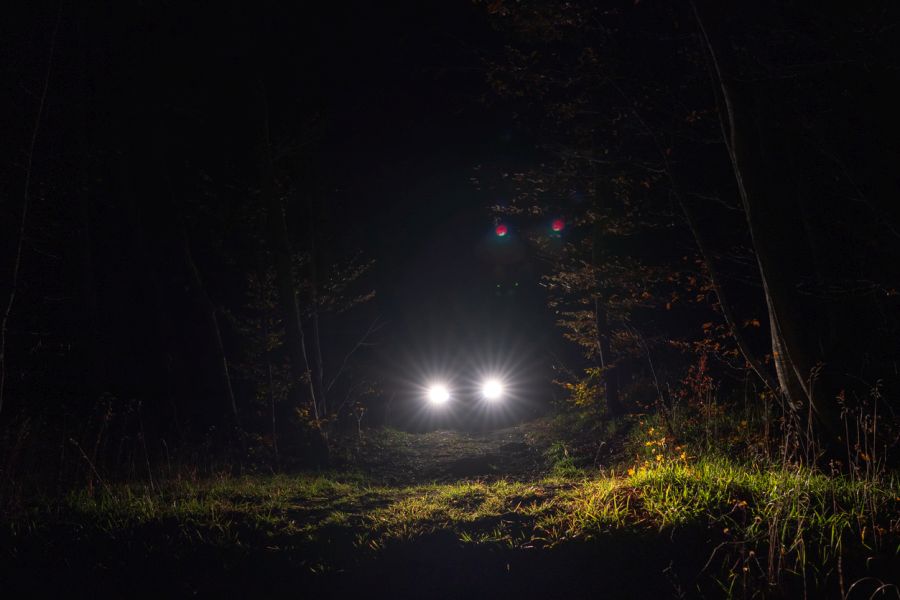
x: 562, y: 462
x: 637, y: 150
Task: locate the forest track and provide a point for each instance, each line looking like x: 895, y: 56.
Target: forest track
x: 396, y: 457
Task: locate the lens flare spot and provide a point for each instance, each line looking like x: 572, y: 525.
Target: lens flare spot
x: 558, y: 225
x: 501, y: 230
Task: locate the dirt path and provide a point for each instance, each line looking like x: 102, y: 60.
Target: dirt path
x: 397, y: 457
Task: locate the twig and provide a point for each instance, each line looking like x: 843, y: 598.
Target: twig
x: 90, y: 463
x: 375, y: 326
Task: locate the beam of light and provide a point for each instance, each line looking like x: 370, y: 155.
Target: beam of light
x: 492, y: 389
x: 438, y: 393
x: 501, y: 230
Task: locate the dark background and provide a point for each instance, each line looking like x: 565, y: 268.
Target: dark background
x: 380, y: 108
x: 388, y: 143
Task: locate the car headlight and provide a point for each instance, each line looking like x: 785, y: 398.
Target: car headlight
x: 492, y: 389
x: 438, y: 393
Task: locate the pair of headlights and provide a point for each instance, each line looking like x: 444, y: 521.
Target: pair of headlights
x: 492, y: 390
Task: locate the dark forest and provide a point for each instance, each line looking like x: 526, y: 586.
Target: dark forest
x: 461, y: 298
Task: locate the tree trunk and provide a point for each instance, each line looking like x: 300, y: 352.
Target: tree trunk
x: 198, y: 293
x: 23, y: 220
x: 314, y: 317
x: 210, y: 312
x: 284, y: 272
x: 755, y: 137
x: 610, y: 370
x: 724, y: 304
x: 96, y: 371
x: 601, y: 320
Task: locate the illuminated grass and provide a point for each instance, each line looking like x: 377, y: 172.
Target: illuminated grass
x: 751, y: 515
x: 673, y: 494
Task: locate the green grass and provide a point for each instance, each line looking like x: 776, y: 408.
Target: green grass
x: 790, y: 518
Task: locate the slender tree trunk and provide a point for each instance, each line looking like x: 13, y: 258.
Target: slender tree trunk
x: 271, y: 389
x: 279, y: 239
x: 205, y: 304
x: 314, y: 317
x: 200, y: 297
x: 284, y: 272
x: 96, y: 372
x: 607, y: 363
x: 610, y: 369
x: 724, y: 304
x: 750, y: 121
x: 23, y: 220
x: 320, y: 364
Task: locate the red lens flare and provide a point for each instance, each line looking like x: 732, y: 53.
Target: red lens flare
x: 501, y: 230
x: 558, y: 225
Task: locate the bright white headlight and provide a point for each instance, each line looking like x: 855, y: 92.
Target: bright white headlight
x: 492, y: 389
x: 438, y: 393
